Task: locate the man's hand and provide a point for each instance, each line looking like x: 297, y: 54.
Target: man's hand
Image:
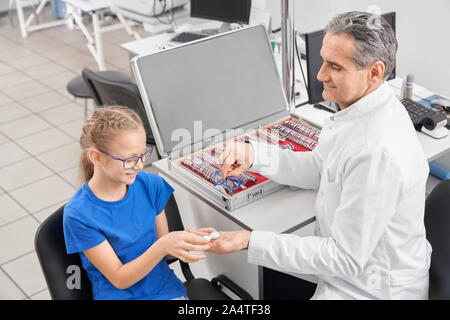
x: 227, y: 242
x: 236, y: 158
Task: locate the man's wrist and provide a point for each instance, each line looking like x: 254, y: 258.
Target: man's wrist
x: 246, y: 239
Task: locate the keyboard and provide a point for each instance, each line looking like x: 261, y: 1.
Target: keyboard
x: 416, y: 111
x: 187, y: 37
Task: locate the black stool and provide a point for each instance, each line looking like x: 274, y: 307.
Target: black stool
x: 78, y: 88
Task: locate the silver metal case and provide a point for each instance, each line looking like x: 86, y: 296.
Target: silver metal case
x: 227, y: 84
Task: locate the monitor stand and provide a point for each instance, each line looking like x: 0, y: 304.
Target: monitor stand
x: 223, y: 28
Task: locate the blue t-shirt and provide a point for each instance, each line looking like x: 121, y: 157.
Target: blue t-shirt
x: 129, y: 226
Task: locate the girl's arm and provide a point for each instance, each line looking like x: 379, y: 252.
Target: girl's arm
x: 161, y: 225
x: 123, y: 276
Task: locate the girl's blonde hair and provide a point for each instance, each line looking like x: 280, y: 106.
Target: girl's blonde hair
x: 104, y: 124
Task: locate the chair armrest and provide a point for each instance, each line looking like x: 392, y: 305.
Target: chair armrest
x: 170, y: 259
x: 233, y: 287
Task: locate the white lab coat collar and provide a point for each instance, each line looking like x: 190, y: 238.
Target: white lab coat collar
x: 364, y: 106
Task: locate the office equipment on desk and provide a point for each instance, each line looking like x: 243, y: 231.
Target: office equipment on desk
x: 417, y: 112
x: 439, y: 172
x: 426, y: 119
x: 407, y: 87
x: 246, y: 101
x: 327, y: 106
x: 228, y: 11
x: 441, y: 103
x: 184, y: 37
x: 438, y: 104
x: 313, y: 41
x: 434, y: 125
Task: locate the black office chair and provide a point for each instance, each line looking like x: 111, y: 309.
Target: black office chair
x: 117, y: 88
x: 437, y: 225
x: 54, y: 261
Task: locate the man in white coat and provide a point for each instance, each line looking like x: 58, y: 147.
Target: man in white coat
x: 370, y: 172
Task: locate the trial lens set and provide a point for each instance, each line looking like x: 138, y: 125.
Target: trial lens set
x: 207, y: 165
x: 289, y: 134
x: 292, y: 130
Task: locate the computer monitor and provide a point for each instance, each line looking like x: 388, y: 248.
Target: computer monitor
x: 230, y: 11
x: 314, y: 61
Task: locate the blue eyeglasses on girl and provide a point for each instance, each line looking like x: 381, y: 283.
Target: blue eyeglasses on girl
x: 131, y: 162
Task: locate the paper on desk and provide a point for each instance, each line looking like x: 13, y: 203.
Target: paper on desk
x: 396, y: 83
x: 314, y: 116
x: 419, y: 92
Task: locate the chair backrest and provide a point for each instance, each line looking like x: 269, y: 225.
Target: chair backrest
x: 173, y: 215
x: 437, y: 225
x: 176, y: 224
x: 117, y: 88
x: 66, y: 279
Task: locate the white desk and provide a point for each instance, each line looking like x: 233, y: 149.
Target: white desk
x: 161, y: 41
x: 25, y: 25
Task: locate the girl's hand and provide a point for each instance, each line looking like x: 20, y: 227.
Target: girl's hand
x: 180, y: 243
x: 227, y: 242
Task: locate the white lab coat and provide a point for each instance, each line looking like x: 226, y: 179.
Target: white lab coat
x: 370, y: 172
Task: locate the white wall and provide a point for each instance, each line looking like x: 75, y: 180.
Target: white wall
x: 423, y: 32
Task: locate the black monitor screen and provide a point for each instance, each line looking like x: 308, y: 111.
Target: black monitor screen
x: 314, y: 60
x: 223, y: 10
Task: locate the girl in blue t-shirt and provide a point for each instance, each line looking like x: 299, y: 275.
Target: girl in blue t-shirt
x: 116, y: 220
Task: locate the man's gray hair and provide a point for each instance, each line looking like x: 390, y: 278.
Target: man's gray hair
x: 375, y: 39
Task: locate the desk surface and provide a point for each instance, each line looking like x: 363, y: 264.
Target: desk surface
x: 158, y: 42
x: 284, y: 211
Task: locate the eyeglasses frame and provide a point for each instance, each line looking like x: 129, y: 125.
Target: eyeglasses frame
x: 124, y: 160
x: 236, y: 181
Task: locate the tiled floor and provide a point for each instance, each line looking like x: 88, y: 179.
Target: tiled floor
x: 40, y: 125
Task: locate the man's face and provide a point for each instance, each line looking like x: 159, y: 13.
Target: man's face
x: 343, y: 82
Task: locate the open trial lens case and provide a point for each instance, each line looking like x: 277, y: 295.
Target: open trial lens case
x: 205, y: 91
